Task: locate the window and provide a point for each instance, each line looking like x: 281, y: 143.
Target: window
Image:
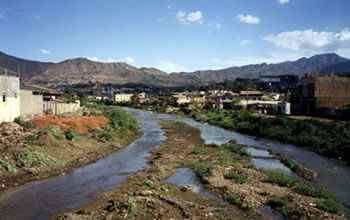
x: 3, y: 98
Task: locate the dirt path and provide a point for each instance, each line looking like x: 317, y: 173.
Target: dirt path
x: 146, y: 196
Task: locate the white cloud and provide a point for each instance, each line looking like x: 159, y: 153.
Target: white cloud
x: 311, y: 41
x: 170, y: 67
x: 169, y: 6
x: 128, y: 60
x: 283, y: 1
x: 247, y: 60
x: 187, y: 18
x: 214, y: 24
x: 245, y: 42
x: 248, y: 19
x: 45, y: 52
x: 37, y: 17
x: 93, y: 59
x: 111, y: 60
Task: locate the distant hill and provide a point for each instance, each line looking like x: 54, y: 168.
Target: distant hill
x: 323, y: 63
x: 83, y: 71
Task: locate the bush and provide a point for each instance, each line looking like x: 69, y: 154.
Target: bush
x: 53, y: 131
x: 201, y: 168
x: 8, y: 166
x: 236, y: 148
x: 180, y: 123
x: 70, y: 134
x: 277, y: 202
x: 32, y: 138
x: 106, y: 134
x: 23, y: 123
x: 277, y: 176
x: 240, y: 176
x: 291, y: 212
x: 330, y: 205
x: 31, y: 158
x: 200, y: 150
x: 234, y: 198
x: 148, y: 183
x: 309, y: 190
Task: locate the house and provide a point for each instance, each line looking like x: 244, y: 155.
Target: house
x: 142, y: 98
x: 181, y: 99
x: 10, y: 98
x: 123, y: 97
x: 227, y: 101
x: 321, y: 95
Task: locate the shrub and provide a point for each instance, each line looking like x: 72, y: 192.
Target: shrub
x: 106, y: 134
x: 201, y: 168
x: 31, y: 158
x: 291, y: 212
x: 309, y: 190
x: 23, y: 123
x: 8, y: 166
x: 239, y: 176
x: 70, y: 134
x: 330, y: 205
x: 54, y: 131
x: 236, y: 148
x: 277, y: 202
x: 148, y: 183
x: 180, y: 123
x: 200, y: 150
x: 32, y: 138
x: 234, y: 198
x: 277, y: 176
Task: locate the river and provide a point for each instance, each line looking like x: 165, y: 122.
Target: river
x: 40, y: 199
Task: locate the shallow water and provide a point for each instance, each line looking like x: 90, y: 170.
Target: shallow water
x: 334, y: 176
x: 185, y: 177
x: 41, y: 199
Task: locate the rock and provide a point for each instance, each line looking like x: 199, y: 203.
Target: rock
x: 146, y: 193
x: 186, y: 188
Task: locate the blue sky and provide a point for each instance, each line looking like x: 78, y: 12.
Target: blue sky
x: 174, y: 35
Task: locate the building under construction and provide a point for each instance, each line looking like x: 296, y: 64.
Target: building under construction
x: 322, y: 95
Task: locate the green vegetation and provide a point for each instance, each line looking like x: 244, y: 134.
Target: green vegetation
x: 106, y: 134
x: 234, y: 198
x: 291, y: 212
x: 148, y: 183
x: 181, y: 123
x: 202, y: 168
x: 239, y: 176
x: 308, y: 190
x: 7, y: 166
x: 331, y: 139
x: 53, y: 131
x: 32, y: 138
x: 236, y: 148
x: 330, y: 205
x: 294, y: 166
x: 200, y: 150
x: 278, y: 177
x: 70, y: 134
x: 278, y: 202
x: 23, y: 123
x: 31, y: 158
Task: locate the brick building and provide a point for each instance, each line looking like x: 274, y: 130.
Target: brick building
x: 321, y: 95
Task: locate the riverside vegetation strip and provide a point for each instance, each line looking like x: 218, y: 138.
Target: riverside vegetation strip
x: 27, y: 153
x: 225, y: 170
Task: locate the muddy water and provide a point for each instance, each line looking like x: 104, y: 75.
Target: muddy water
x: 334, y: 176
x: 41, y: 199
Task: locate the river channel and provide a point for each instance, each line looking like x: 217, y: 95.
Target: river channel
x: 43, y: 198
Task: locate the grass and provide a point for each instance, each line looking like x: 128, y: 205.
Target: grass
x: 10, y: 168
x: 239, y: 176
x: 294, y: 166
x: 31, y: 158
x: 148, y: 183
x: 278, y: 177
x: 278, y: 202
x: 181, y: 123
x: 291, y: 212
x: 235, y: 199
x: 201, y: 150
x: 202, y: 168
x: 236, y: 148
x: 106, y: 134
x: 32, y: 138
x: 70, y: 134
x: 54, y: 131
x: 330, y: 205
x: 308, y: 190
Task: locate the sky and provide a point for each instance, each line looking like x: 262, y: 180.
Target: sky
x: 175, y: 35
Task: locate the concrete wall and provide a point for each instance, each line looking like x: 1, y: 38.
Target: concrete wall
x: 31, y: 105
x: 9, y: 98
x: 67, y: 107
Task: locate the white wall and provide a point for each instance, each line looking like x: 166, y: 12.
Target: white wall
x: 9, y: 90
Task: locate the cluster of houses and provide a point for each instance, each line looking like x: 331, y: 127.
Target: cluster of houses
x: 26, y: 101
x: 253, y: 100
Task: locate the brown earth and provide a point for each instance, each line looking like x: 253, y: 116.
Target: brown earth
x: 145, y: 195
x: 84, y: 149
x: 79, y: 124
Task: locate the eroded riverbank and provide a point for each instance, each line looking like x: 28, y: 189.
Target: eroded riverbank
x: 146, y: 196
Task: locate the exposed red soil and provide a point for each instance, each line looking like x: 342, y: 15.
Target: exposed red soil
x: 79, y: 124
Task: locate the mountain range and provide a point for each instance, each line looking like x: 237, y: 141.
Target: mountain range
x: 84, y: 71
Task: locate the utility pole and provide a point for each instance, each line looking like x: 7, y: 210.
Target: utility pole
x: 18, y: 72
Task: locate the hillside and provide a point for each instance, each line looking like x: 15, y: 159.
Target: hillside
x: 84, y: 71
